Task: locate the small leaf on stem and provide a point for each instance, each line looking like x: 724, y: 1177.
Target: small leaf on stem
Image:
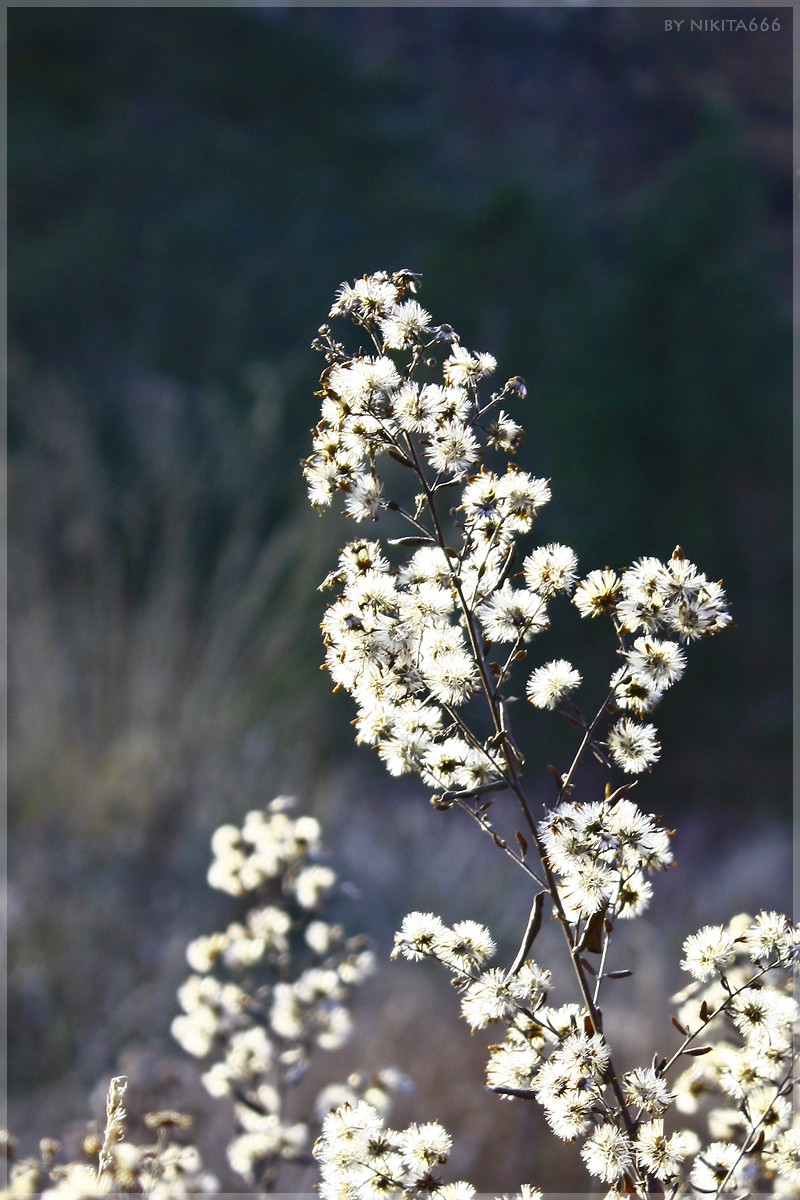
x: 591, y: 939
x: 556, y: 774
x: 398, y: 456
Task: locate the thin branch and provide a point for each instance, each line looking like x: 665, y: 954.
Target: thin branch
x: 508, y: 1091
x: 720, y: 1008
x: 483, y: 790
x: 606, y: 940
x: 754, y: 1130
x: 500, y: 843
x: 587, y: 737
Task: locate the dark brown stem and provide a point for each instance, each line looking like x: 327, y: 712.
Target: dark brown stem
x: 587, y: 737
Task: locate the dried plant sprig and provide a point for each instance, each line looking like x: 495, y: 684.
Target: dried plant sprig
x: 115, y: 1118
x: 162, y: 1171
x: 411, y: 634
x: 360, y: 1156
x: 272, y: 987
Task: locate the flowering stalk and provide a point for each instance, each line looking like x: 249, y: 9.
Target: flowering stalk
x: 162, y: 1171
x: 245, y: 999
x: 412, y: 641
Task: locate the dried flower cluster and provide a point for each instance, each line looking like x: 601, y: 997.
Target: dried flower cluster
x: 271, y: 987
x: 161, y: 1171
x: 412, y: 635
x: 361, y: 1158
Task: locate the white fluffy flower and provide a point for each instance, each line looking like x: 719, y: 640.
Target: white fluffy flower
x: 451, y: 677
x: 364, y: 498
x: 549, y: 684
x: 487, y: 999
x: 318, y: 935
x: 420, y: 935
x: 467, y: 943
x: 634, y: 693
x: 713, y: 1165
x: 647, y: 1090
x: 512, y: 1065
x: 660, y: 663
x: 423, y: 1146
x: 504, y: 433
x: 404, y: 325
x: 658, y: 1154
x: 453, y: 448
x: 512, y: 615
x: 551, y: 569
x: 597, y: 593
x: 203, y: 952
x: 633, y: 747
x: 764, y: 1014
x: 312, y: 883
x: 607, y: 1154
x: 707, y: 952
x: 521, y: 496
x: 368, y: 297
x: 783, y: 1156
x: 463, y: 368
x: 766, y: 934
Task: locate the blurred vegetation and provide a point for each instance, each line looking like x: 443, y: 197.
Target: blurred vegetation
x: 186, y: 189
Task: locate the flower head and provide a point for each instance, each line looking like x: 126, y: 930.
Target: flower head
x: 607, y: 1154
x: 708, y: 952
x: 633, y: 747
x: 550, y: 684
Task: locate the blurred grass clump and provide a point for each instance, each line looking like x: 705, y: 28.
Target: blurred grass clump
x: 186, y: 189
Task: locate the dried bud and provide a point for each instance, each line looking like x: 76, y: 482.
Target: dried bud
x: 167, y: 1117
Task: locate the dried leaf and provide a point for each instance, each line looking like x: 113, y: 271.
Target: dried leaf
x: 592, y: 937
x: 678, y: 1026
x: 534, y: 925
x: 598, y: 754
x: 398, y: 456
x: 522, y: 841
x: 556, y: 774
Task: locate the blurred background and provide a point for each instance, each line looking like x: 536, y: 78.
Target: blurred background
x: 602, y: 205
